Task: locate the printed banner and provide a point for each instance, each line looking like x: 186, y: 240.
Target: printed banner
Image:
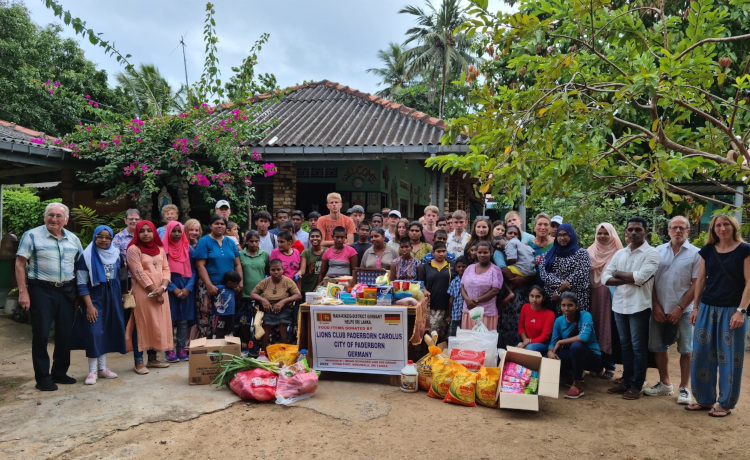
x: 370, y: 340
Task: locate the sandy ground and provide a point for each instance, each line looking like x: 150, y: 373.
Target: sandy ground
x: 159, y: 415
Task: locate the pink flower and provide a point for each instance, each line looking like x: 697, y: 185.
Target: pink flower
x: 37, y: 140
x: 139, y: 140
x: 96, y: 104
x: 270, y: 169
x: 87, y: 96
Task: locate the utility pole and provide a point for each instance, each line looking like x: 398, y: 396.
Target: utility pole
x: 184, y: 61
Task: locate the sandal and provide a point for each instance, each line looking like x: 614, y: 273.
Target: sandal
x: 607, y: 374
x: 695, y: 407
x: 719, y: 412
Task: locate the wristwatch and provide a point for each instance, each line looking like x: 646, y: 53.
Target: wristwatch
x: 742, y: 310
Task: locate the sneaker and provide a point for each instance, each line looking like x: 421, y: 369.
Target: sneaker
x: 184, y: 355
x: 91, y: 379
x: 632, y: 394
x: 46, y: 385
x: 171, y: 357
x: 574, y: 392
x: 107, y: 374
x: 684, y: 396
x: 64, y: 379
x: 659, y: 390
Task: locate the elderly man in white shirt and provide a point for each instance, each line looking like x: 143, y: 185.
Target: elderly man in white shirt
x: 632, y: 271
x: 673, y: 294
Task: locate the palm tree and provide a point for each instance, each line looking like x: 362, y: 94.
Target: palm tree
x: 438, y: 48
x: 394, y: 72
x: 150, y: 92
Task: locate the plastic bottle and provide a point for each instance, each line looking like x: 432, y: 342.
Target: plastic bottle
x: 409, y: 378
x: 302, y: 355
x: 262, y: 356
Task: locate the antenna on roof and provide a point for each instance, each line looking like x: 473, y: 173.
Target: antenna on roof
x: 184, y: 61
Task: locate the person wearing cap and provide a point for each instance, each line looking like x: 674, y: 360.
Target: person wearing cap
x: 393, y: 217
x: 385, y: 211
x: 281, y: 216
x: 357, y: 214
x: 556, y: 222
x: 223, y: 209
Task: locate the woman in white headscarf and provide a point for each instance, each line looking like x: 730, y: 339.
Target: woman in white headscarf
x: 606, y: 244
x: 100, y: 328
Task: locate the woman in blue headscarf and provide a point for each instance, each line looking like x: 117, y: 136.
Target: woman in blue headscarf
x: 100, y: 329
x: 566, y: 268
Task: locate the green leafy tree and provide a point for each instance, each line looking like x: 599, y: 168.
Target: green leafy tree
x: 394, y: 73
x: 149, y: 91
x: 439, y: 53
x: 22, y: 210
x: 418, y: 97
x: 30, y: 54
x: 609, y: 97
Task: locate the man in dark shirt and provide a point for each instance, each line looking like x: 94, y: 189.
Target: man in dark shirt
x: 362, y: 244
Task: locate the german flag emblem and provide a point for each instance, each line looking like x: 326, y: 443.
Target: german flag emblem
x: 324, y: 318
x: 392, y: 318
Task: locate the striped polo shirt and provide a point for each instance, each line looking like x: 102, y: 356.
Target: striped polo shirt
x: 49, y: 258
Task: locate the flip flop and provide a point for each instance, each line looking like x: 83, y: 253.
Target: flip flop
x: 719, y: 413
x: 697, y: 408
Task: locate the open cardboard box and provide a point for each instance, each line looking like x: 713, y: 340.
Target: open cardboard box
x: 549, y: 379
x: 202, y: 368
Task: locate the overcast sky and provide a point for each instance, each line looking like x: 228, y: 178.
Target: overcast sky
x: 311, y: 40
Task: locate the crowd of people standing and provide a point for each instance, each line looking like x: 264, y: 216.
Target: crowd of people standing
x: 153, y: 289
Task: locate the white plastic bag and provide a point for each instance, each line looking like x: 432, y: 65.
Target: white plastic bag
x: 477, y: 341
x: 476, y: 315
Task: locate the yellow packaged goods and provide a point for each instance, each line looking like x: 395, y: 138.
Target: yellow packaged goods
x: 443, y: 371
x: 424, y: 367
x: 487, y: 380
x: 416, y: 291
x: 463, y: 388
x: 282, y: 352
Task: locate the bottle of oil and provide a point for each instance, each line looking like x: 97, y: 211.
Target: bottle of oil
x: 409, y: 378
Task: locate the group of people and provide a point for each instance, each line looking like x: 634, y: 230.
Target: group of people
x: 589, y: 307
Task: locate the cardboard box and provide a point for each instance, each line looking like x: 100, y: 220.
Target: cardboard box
x: 549, y: 379
x: 202, y: 369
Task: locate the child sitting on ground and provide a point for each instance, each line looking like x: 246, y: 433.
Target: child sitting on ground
x: 276, y: 295
x: 223, y: 307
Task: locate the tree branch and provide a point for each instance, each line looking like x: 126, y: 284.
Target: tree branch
x: 712, y: 40
x: 698, y: 195
x: 600, y: 55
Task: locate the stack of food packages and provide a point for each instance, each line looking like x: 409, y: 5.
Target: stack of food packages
x: 283, y: 377
x: 382, y: 292
x: 468, y: 373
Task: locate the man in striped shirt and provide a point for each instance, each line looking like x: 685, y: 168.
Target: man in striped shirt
x: 45, y: 270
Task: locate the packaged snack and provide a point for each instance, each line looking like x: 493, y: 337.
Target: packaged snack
x: 507, y: 387
x: 470, y: 359
x: 533, y: 385
x: 516, y: 370
x: 385, y: 295
x: 424, y: 367
x: 443, y: 371
x: 333, y: 290
x: 258, y: 384
x: 463, y: 389
x: 416, y: 291
x: 487, y: 380
x: 282, y: 352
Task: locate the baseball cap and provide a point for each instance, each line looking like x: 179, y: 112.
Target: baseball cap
x: 356, y: 208
x: 557, y: 220
x: 221, y: 203
x: 396, y: 212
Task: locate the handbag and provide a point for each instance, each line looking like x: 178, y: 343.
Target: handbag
x: 128, y: 300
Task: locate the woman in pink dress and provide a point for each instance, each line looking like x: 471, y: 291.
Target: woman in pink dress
x: 480, y: 284
x: 152, y: 318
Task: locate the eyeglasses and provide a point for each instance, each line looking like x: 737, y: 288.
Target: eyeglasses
x: 678, y: 228
x: 102, y: 237
x: 56, y: 216
x: 563, y: 235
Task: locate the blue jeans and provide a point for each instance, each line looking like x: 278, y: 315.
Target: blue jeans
x: 540, y: 347
x: 182, y: 330
x: 579, y: 358
x: 138, y: 355
x: 633, y: 331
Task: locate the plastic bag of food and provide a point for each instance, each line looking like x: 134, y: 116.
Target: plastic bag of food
x: 443, y: 371
x: 295, y: 383
x: 533, y: 386
x: 283, y: 353
x: 516, y: 370
x: 424, y: 367
x: 508, y: 387
x: 470, y: 359
x: 478, y: 341
x: 463, y: 389
x: 476, y: 315
x: 258, y: 384
x: 487, y: 380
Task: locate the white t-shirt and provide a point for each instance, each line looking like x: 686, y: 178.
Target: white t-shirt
x: 268, y: 242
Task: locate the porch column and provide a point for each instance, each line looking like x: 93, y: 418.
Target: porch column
x: 285, y: 186
x: 67, y: 177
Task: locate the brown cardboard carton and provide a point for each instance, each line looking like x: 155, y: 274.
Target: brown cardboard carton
x: 549, y: 379
x: 202, y: 369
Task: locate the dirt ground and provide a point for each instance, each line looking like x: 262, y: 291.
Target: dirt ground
x: 362, y: 416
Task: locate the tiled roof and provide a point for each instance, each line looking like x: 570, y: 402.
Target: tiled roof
x: 327, y: 115
x: 11, y: 132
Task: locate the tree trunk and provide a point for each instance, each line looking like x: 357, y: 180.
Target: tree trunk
x: 183, y: 199
x: 146, y: 206
x: 442, y: 93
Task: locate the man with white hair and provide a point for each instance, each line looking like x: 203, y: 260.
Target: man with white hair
x: 674, y: 283
x: 45, y: 270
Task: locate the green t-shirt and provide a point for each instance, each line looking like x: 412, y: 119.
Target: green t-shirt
x: 254, y: 269
x: 314, y: 261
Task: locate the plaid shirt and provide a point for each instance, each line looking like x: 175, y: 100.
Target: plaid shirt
x: 120, y: 241
x: 454, y: 290
x: 49, y: 259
